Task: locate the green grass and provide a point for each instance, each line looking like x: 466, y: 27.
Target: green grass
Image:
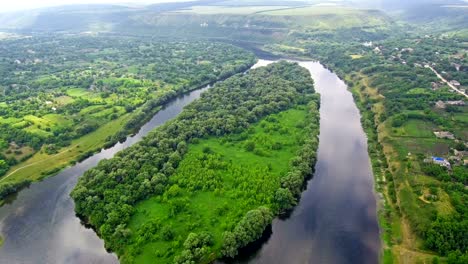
x: 57, y: 120
x: 416, y: 128
x: 418, y: 91
x: 78, y: 92
x: 239, y: 181
x: 40, y: 164
x: 64, y: 100
x: 463, y: 117
x: 38, y: 131
x: 10, y: 120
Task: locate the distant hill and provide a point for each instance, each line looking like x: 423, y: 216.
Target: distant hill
x: 207, y: 18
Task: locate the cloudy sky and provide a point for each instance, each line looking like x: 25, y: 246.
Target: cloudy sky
x: 16, y: 5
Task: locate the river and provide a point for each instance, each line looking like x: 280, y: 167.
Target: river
x: 335, y: 221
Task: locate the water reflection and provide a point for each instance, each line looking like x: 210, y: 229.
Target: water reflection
x: 335, y: 221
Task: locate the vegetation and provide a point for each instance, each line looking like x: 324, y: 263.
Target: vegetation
x: 65, y: 97
x: 245, y: 149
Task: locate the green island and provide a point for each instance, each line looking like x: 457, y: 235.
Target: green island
x: 209, y: 182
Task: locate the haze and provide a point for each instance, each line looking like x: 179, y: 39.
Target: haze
x: 19, y: 5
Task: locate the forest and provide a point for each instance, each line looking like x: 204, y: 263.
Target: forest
x: 245, y: 148
x: 57, y: 89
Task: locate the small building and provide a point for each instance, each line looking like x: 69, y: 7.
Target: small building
x: 444, y: 134
x: 441, y: 161
x: 457, y: 66
x: 457, y: 103
x: 368, y: 44
x: 460, y: 153
x: 454, y: 83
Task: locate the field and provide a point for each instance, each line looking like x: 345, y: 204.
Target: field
x: 42, y: 164
x: 242, y: 179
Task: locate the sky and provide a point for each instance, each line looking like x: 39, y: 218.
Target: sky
x: 18, y: 5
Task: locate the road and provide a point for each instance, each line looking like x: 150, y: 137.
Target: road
x: 448, y: 83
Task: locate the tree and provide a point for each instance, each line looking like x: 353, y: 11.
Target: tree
x: 3, y: 167
x: 285, y: 199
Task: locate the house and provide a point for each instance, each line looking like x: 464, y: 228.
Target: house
x: 444, y: 134
x: 454, y: 83
x: 441, y: 161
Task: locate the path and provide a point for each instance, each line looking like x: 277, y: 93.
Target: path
x: 39, y: 161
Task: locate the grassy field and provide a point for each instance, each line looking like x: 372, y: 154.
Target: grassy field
x: 42, y: 164
x: 241, y: 180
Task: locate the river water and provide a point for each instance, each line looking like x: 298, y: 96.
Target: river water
x: 335, y: 221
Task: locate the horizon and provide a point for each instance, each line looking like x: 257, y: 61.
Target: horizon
x: 27, y: 5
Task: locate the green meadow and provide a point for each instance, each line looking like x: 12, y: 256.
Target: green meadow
x: 216, y: 183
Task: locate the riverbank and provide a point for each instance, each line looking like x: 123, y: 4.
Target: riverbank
x: 400, y: 244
